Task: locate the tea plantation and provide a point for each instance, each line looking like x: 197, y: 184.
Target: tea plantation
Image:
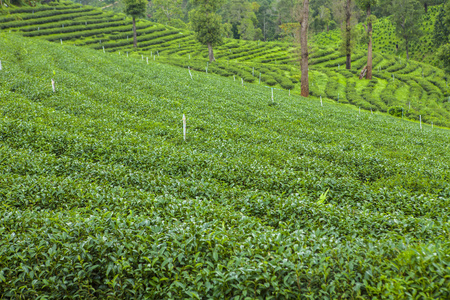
x: 102, y: 198
x: 420, y: 90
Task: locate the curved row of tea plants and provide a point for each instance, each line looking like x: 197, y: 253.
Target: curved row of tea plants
x: 416, y: 89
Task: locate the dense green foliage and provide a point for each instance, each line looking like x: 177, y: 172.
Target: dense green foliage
x: 102, y: 198
x: 419, y: 88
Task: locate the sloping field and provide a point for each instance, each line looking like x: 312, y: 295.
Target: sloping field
x: 418, y: 89
x: 101, y: 197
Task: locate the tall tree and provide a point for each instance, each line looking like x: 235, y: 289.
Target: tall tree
x: 325, y: 16
x: 304, y: 24
x: 343, y: 14
x: 407, y: 18
x: 206, y: 24
x: 348, y: 34
x: 367, y: 5
x: 441, y: 34
x: 265, y: 18
x: 166, y: 10
x: 135, y: 9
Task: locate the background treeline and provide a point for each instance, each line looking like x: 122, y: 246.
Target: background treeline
x: 271, y: 20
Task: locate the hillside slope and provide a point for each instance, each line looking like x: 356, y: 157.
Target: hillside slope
x: 420, y: 90
x: 101, y: 197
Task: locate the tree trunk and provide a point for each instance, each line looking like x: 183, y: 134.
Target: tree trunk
x: 369, y: 50
x: 134, y: 33
x: 304, y: 49
x: 426, y: 7
x: 328, y: 27
x: 264, y: 26
x: 211, y: 53
x: 348, y: 35
x: 407, y: 50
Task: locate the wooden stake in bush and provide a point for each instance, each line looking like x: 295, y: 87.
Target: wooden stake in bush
x: 184, y: 127
x: 53, y: 85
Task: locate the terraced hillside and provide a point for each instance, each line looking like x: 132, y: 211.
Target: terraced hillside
x: 417, y: 89
x: 102, y: 198
x: 385, y: 38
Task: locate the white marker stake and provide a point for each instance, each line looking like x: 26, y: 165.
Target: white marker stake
x: 189, y: 56
x: 409, y: 103
x: 371, y: 111
x: 127, y: 54
x: 272, y: 94
x: 206, y: 70
x: 289, y: 92
x: 147, y: 60
x: 0, y: 65
x: 103, y: 49
x: 420, y: 118
x: 392, y: 77
x: 431, y: 124
x: 321, y: 103
x: 242, y: 79
x: 190, y: 73
x: 38, y: 28
x: 61, y: 41
x: 154, y: 57
x: 339, y: 66
x: 259, y: 77
x: 119, y: 52
x: 184, y: 127
x: 53, y: 85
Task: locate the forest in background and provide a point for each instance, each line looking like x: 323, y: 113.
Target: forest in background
x: 276, y: 20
